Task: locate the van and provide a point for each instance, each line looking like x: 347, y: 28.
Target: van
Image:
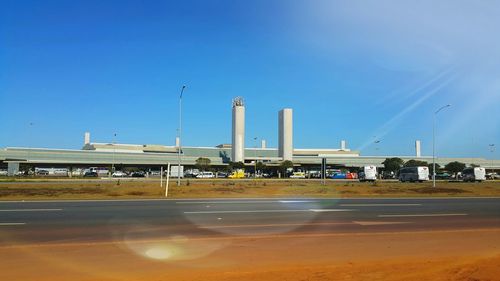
x: 474, y: 174
x: 368, y: 173
x: 413, y: 174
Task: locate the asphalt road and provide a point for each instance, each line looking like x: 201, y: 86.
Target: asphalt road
x: 63, y: 222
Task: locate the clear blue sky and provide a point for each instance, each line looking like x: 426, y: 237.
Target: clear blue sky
x: 354, y: 70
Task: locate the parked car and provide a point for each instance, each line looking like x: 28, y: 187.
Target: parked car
x: 298, y: 175
x: 90, y: 175
x: 137, y: 175
x: 338, y: 176
x: 119, y: 174
x: 222, y: 175
x: 493, y: 176
x: 205, y: 175
x: 443, y: 176
x: 4, y: 172
x: 42, y: 172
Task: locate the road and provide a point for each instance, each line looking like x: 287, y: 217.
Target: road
x: 63, y: 222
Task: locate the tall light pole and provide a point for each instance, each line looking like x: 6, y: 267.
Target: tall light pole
x: 255, y: 160
x: 180, y: 134
x: 492, y: 150
x: 114, y: 151
x: 434, y: 144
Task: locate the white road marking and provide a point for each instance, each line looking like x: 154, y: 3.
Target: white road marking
x: 331, y: 210
x: 269, y: 211
x: 249, y: 211
x: 30, y: 210
x: 297, y: 201
x: 11, y: 223
x: 243, y: 202
x: 421, y: 215
x: 273, y: 225
x: 377, y: 205
x: 368, y: 223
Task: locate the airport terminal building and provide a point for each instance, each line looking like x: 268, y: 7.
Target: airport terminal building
x: 155, y: 156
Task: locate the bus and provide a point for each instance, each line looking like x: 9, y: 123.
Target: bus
x: 368, y: 173
x: 474, y: 174
x: 413, y: 174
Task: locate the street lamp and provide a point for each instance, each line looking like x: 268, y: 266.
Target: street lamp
x: 434, y: 143
x: 114, y: 151
x: 255, y: 160
x: 180, y: 134
x: 492, y: 150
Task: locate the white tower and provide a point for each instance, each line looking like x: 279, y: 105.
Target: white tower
x: 285, y: 135
x: 86, y: 139
x: 417, y: 148
x: 238, y: 145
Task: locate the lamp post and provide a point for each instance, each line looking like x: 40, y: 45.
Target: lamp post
x: 255, y: 160
x: 434, y: 143
x: 180, y: 134
x: 114, y: 151
x: 492, y: 150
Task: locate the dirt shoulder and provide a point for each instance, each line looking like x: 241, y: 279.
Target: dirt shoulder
x: 440, y: 255
x: 119, y: 189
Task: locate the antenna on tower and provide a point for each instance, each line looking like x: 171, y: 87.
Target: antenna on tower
x: 238, y: 101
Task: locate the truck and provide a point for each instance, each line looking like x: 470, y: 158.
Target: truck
x: 474, y: 174
x: 413, y: 174
x: 368, y: 173
x: 174, y: 171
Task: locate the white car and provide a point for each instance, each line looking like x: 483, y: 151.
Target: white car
x: 119, y: 174
x: 205, y: 175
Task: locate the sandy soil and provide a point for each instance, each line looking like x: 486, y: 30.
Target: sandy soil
x: 441, y: 255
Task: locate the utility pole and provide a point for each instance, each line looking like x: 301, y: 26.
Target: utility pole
x: 180, y: 141
x: 114, y: 151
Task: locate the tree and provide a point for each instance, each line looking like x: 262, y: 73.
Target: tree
x: 285, y: 165
x: 415, y: 163
x: 474, y: 165
x: 454, y: 167
x: 236, y: 165
x: 393, y: 164
x: 431, y: 168
x: 260, y: 166
x: 202, y: 163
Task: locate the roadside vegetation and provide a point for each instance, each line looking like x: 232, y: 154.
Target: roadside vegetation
x: 239, y: 188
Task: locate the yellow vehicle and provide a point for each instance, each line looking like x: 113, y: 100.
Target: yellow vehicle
x: 238, y: 174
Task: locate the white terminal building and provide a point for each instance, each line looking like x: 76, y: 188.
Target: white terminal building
x: 153, y: 156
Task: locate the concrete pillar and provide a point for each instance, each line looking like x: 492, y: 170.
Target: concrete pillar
x: 263, y: 144
x: 285, y: 134
x: 177, y: 141
x: 238, y: 133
